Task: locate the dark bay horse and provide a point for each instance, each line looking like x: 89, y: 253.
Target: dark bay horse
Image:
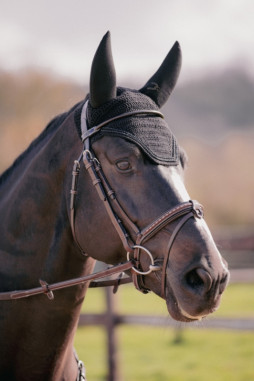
x: 131, y: 164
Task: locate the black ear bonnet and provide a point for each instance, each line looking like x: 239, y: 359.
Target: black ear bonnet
x: 149, y: 131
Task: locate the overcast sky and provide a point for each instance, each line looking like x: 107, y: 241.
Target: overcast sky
x: 62, y: 35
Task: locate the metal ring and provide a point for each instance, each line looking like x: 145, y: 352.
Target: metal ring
x: 88, y: 154
x: 151, y: 267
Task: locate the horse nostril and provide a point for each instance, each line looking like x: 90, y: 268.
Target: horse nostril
x: 199, y: 279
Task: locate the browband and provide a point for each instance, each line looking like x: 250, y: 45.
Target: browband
x: 85, y: 133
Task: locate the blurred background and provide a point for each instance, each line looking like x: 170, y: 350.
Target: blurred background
x: 46, y: 50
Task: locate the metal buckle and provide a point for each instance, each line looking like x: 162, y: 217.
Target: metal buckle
x: 152, y: 266
x: 46, y: 289
x: 197, y: 209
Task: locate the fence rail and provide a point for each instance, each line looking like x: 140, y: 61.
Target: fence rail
x: 240, y: 324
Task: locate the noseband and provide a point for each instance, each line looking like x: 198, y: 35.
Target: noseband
x: 122, y: 223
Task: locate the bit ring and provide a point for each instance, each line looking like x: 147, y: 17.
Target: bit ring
x: 152, y: 267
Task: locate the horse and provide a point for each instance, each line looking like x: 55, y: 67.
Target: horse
x: 123, y: 203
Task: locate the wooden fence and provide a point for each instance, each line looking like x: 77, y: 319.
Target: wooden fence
x: 239, y: 252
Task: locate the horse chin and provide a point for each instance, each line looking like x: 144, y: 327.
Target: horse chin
x: 187, y: 316
x: 176, y: 311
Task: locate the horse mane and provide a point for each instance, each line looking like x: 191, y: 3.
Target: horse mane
x: 44, y: 135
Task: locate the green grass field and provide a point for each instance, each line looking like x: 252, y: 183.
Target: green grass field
x: 153, y: 353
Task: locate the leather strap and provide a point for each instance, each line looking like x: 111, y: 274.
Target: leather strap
x: 48, y: 289
x: 170, y: 244
x: 81, y: 368
x: 87, y: 133
x: 185, y: 210
x: 90, y: 165
x: 73, y: 192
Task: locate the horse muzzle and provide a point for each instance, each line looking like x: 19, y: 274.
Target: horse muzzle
x: 195, y: 294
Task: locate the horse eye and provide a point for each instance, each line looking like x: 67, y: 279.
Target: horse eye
x: 123, y: 165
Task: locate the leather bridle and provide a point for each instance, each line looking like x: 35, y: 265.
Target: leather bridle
x: 119, y: 217
x: 122, y: 223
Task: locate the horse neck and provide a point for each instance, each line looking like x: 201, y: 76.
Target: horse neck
x: 34, y: 198
x: 36, y: 243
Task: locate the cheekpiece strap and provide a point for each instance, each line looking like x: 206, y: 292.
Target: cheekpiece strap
x: 84, y: 129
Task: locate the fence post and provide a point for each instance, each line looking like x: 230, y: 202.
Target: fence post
x: 112, y: 352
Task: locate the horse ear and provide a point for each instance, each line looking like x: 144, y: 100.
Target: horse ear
x: 103, y: 76
x: 161, y: 84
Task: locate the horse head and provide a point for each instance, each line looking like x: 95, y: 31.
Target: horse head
x: 142, y: 167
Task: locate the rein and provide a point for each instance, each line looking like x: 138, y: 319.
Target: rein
x: 48, y: 289
x: 120, y: 220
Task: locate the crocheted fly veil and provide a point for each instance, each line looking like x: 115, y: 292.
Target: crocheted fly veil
x: 148, y: 130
